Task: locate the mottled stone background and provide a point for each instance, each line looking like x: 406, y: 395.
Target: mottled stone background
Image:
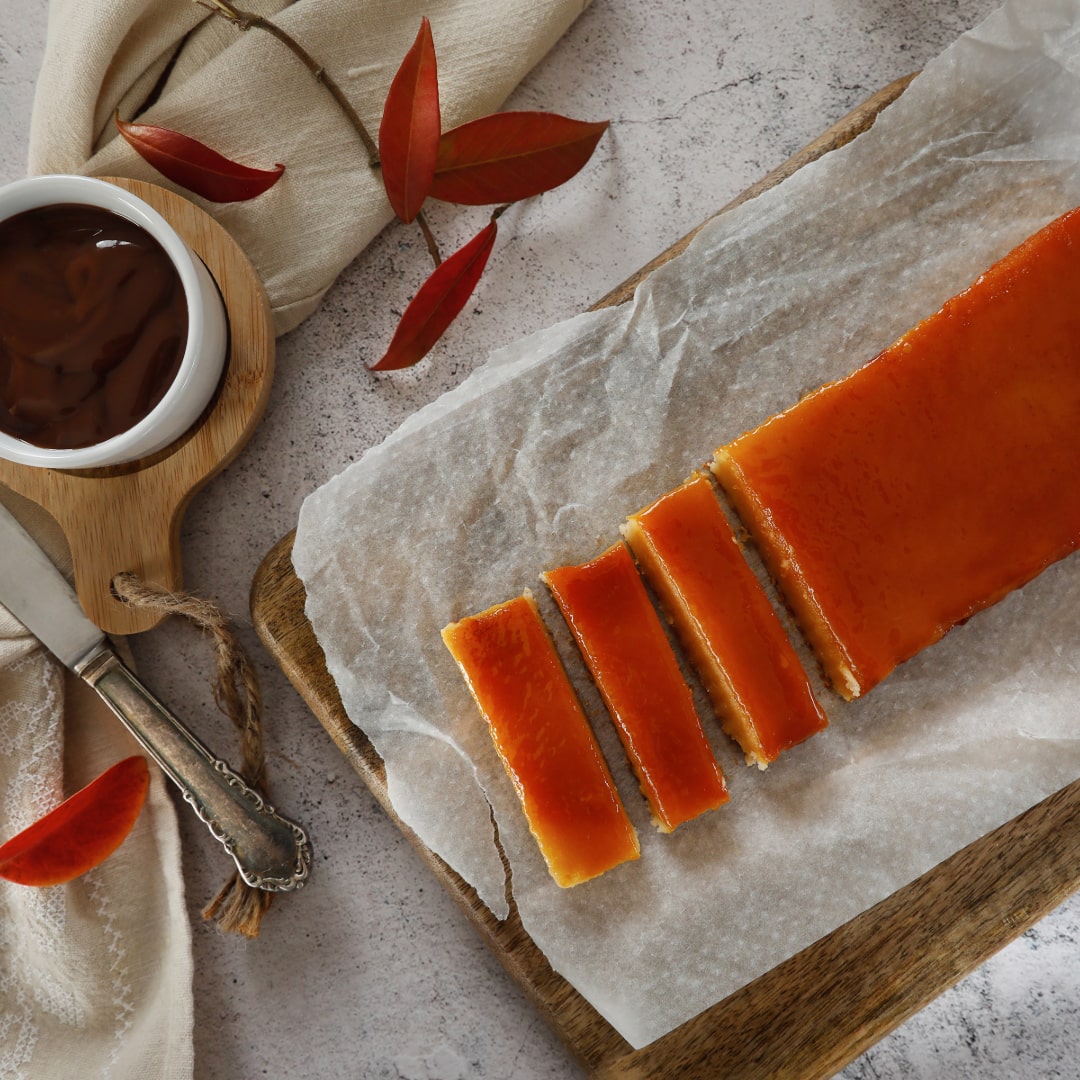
x: 371, y: 971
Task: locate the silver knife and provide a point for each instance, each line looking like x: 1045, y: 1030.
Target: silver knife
x: 271, y: 852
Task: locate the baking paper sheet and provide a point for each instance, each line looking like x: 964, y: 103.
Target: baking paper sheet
x: 538, y: 457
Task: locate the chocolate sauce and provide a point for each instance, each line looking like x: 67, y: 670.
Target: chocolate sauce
x: 93, y: 324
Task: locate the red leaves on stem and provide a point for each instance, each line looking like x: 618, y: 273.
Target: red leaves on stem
x: 82, y: 831
x: 510, y: 156
x: 438, y: 302
x: 409, y: 133
x: 193, y: 165
x: 496, y: 159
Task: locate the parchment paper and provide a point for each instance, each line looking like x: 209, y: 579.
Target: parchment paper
x: 537, y: 458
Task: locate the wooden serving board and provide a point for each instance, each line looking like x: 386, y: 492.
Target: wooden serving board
x: 127, y: 517
x: 811, y: 1015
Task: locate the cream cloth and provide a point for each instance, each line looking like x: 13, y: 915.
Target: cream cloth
x: 95, y: 975
x: 247, y: 96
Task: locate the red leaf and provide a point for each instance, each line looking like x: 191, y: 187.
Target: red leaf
x: 193, y: 165
x: 509, y: 156
x: 438, y: 302
x: 409, y: 132
x: 82, y: 831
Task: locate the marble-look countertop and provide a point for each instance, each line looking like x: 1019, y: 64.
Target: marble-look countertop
x: 371, y: 971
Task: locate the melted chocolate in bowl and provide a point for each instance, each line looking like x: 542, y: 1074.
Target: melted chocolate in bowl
x: 93, y: 324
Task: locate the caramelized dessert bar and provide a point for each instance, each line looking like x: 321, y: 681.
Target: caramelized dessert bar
x: 543, y: 739
x: 631, y: 660
x: 934, y: 480
x: 721, y: 613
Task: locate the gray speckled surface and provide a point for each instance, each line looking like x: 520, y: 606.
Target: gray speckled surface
x: 371, y: 971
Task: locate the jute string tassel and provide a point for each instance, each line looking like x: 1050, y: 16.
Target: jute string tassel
x: 237, y: 908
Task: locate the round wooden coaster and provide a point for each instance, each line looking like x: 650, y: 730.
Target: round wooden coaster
x: 127, y: 517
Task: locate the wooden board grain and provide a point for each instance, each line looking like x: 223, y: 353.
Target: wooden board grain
x: 809, y: 1016
x: 149, y: 496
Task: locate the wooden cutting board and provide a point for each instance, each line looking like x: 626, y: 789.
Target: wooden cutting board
x: 811, y: 1015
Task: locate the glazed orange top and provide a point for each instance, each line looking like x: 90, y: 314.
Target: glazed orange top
x: 635, y: 669
x: 736, y: 638
x: 543, y: 739
x: 933, y: 480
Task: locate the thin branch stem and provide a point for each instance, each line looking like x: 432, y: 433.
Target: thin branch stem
x: 245, y: 20
x: 429, y: 236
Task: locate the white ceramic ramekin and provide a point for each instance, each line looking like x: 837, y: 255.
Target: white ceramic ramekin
x: 204, y: 353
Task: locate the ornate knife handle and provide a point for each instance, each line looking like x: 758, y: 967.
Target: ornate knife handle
x: 271, y: 852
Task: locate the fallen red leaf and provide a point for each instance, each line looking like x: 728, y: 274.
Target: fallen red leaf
x: 193, y: 165
x: 438, y: 302
x: 82, y: 831
x: 509, y: 156
x: 409, y: 132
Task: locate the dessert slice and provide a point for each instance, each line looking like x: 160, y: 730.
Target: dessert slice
x: 932, y: 481
x: 634, y: 667
x: 723, y: 617
x: 543, y: 739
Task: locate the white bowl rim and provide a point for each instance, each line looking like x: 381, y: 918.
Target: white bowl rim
x: 52, y: 189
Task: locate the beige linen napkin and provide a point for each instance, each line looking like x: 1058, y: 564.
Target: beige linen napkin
x: 247, y: 96
x: 95, y: 975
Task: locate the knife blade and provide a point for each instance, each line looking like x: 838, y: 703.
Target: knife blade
x: 270, y: 852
